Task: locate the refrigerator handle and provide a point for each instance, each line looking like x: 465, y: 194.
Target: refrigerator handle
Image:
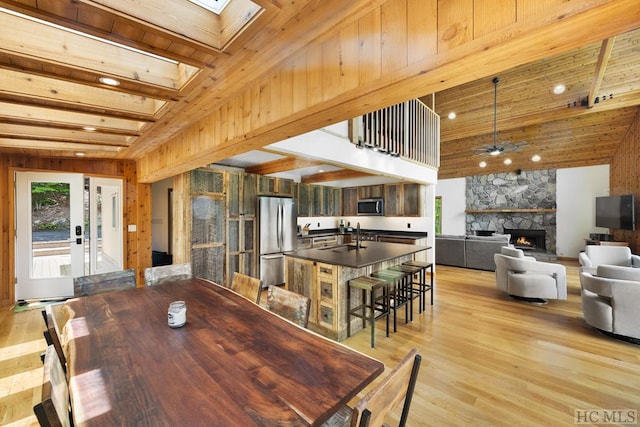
x: 279, y: 227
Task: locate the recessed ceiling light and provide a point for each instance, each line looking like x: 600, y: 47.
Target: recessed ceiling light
x: 483, y: 164
x: 559, y: 89
x: 79, y: 154
x: 89, y: 128
x: 320, y: 170
x: 535, y: 158
x: 452, y: 115
x: 109, y: 81
x: 507, y: 161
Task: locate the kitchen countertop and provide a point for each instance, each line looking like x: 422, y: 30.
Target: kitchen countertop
x: 402, y: 234
x: 372, y: 253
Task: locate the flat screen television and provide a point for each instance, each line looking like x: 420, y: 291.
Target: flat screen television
x: 616, y: 212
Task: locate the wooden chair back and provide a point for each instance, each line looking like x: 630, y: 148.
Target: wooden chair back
x: 290, y: 305
x: 247, y: 286
x: 104, y: 282
x: 399, y: 384
x: 53, y: 410
x: 167, y: 273
x: 53, y: 335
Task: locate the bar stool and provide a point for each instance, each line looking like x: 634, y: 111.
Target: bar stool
x: 410, y: 271
x: 422, y: 283
x: 398, y: 292
x: 369, y: 286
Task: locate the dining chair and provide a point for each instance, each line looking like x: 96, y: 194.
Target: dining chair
x: 383, y: 397
x: 167, y: 273
x: 53, y: 335
x: 53, y: 410
x: 247, y: 286
x: 104, y: 282
x: 288, y: 304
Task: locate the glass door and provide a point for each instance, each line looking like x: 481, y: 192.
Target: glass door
x: 49, y: 234
x: 105, y: 236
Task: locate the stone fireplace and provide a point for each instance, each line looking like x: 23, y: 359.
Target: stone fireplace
x: 524, y: 201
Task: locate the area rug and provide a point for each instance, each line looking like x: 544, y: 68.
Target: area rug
x: 27, y: 305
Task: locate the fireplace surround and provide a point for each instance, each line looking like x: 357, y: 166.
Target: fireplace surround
x: 528, y: 240
x: 503, y: 201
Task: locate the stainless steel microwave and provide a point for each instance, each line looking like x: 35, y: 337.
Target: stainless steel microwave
x: 371, y: 207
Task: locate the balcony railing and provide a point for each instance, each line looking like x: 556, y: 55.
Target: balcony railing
x: 409, y: 130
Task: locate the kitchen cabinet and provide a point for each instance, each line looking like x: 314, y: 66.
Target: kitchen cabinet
x: 271, y: 186
x: 327, y: 296
x: 301, y: 198
x: 241, y: 224
x: 402, y: 199
x: 304, y: 243
x: 208, y: 226
x: 300, y: 277
x: 350, y: 201
x: 371, y: 191
x: 318, y: 200
x: 333, y: 201
x: 411, y: 199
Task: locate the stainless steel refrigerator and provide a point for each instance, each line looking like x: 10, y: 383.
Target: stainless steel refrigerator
x: 277, y: 233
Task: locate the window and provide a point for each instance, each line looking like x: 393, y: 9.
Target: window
x: 214, y: 6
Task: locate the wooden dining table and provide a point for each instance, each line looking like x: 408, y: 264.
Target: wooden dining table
x: 232, y: 364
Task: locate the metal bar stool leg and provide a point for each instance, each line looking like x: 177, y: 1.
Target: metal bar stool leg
x: 368, y: 286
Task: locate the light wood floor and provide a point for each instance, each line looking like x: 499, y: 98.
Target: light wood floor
x: 487, y: 360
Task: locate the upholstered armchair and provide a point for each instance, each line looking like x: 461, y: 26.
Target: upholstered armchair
x: 595, y: 255
x: 524, y: 278
x: 610, y: 300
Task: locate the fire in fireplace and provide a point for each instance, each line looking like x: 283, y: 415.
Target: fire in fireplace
x: 530, y: 240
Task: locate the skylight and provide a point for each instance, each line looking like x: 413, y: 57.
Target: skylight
x: 215, y: 6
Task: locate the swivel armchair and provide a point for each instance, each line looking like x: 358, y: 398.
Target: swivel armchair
x: 524, y: 278
x: 595, y: 255
x: 610, y: 301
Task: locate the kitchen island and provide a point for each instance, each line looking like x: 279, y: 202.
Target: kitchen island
x: 322, y: 275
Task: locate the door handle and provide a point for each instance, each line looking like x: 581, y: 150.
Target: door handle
x: 78, y: 230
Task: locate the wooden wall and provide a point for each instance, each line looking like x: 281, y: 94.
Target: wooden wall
x: 624, y: 178
x: 136, y: 205
x: 392, y: 52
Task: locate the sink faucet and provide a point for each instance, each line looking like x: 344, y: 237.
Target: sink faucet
x: 358, y: 236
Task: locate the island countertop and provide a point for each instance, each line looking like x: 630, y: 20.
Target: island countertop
x: 371, y: 253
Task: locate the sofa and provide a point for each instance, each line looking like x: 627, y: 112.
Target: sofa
x: 610, y: 301
x: 524, y: 278
x: 469, y: 251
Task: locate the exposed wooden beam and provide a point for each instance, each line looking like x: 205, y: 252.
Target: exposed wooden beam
x: 281, y: 165
x: 63, y: 92
x: 54, y: 145
x: 601, y: 66
x: 46, y: 43
x: 45, y: 133
x: 60, y: 117
x: 333, y: 176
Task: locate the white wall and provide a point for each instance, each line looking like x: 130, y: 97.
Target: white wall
x: 160, y: 215
x: 454, y: 202
x: 576, y: 190
x: 331, y: 145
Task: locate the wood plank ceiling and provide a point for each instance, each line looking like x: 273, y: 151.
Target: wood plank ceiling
x: 52, y: 102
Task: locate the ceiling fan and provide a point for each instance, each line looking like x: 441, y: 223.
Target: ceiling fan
x: 504, y: 146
